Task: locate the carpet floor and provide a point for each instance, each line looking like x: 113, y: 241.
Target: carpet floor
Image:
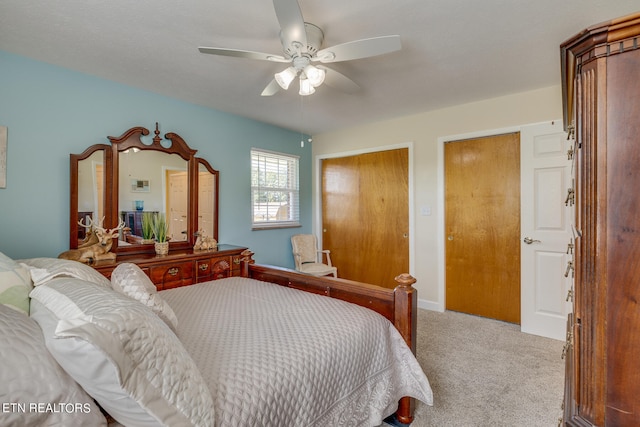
x: 486, y: 373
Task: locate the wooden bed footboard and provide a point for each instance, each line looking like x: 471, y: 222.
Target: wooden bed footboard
x: 399, y: 305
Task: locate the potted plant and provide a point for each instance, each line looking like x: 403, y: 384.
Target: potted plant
x: 147, y: 228
x: 160, y: 229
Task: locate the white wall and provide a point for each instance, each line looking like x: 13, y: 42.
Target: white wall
x: 423, y: 130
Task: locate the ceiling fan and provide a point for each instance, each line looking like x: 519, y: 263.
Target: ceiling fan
x: 301, y: 43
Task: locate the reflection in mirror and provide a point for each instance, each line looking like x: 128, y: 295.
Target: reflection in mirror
x: 152, y: 182
x: 206, y: 200
x: 90, y: 190
x: 138, y: 178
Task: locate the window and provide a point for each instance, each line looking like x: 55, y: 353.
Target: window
x: 274, y: 190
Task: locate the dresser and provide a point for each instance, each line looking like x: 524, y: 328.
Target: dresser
x: 182, y: 267
x: 601, y: 93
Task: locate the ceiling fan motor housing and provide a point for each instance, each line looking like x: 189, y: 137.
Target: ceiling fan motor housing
x: 293, y: 48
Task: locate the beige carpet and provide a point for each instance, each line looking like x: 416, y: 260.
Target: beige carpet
x: 486, y: 373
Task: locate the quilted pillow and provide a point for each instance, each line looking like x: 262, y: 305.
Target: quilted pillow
x: 15, y: 284
x: 44, y: 269
x: 31, y: 379
x: 122, y: 354
x: 129, y: 279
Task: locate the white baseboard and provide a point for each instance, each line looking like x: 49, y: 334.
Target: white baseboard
x: 430, y: 305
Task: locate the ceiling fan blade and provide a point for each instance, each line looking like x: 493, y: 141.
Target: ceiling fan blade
x: 359, y: 49
x: 243, y: 54
x: 291, y: 22
x: 339, y: 81
x: 271, y: 88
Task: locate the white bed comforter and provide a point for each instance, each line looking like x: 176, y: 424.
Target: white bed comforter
x: 274, y: 356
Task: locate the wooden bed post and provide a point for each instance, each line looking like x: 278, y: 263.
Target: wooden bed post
x: 405, y: 320
x: 245, y: 261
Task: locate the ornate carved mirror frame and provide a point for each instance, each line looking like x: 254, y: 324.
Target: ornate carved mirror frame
x: 108, y: 155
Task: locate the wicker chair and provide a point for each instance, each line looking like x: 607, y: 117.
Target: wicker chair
x: 308, y: 257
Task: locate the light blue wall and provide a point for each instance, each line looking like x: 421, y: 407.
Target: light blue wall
x: 51, y: 112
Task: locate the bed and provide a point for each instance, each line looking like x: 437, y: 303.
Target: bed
x: 251, y: 350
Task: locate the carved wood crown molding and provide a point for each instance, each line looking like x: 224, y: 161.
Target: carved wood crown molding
x: 598, y: 41
x: 605, y: 39
x: 132, y: 138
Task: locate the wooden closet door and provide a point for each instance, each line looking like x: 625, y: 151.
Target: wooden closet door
x: 365, y: 215
x: 482, y: 225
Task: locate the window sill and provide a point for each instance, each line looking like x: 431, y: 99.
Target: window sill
x: 271, y: 226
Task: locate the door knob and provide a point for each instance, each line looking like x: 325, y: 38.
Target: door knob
x: 529, y: 240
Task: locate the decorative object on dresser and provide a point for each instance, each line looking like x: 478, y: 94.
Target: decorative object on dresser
x: 97, y: 247
x: 160, y: 230
x: 204, y: 242
x: 161, y: 248
x: 90, y: 236
x: 601, y: 97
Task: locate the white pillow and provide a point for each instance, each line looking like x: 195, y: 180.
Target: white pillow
x: 44, y: 269
x: 31, y: 379
x: 15, y: 284
x: 122, y: 354
x: 127, y: 278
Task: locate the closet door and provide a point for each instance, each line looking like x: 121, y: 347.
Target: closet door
x: 482, y: 226
x: 365, y: 215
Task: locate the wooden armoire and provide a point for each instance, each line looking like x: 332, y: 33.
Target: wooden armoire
x: 601, y: 91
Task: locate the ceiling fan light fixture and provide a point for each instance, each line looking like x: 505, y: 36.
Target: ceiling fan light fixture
x: 284, y: 78
x: 306, y: 88
x: 315, y: 75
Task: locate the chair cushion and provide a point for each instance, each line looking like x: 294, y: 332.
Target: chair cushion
x: 304, y: 245
x: 317, y: 269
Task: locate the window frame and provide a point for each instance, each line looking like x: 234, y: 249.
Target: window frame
x: 286, y: 168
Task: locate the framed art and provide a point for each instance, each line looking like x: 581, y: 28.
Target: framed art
x: 3, y: 157
x: 140, y: 186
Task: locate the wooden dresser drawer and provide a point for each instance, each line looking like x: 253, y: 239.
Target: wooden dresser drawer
x: 167, y: 276
x: 182, y: 268
x: 216, y: 268
x: 235, y: 265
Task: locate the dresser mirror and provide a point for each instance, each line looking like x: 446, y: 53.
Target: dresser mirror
x: 131, y: 177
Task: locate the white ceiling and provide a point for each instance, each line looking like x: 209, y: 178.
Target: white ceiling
x: 454, y: 51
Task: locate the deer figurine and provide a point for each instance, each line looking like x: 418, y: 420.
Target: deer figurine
x: 204, y: 242
x: 101, y: 250
x: 90, y: 236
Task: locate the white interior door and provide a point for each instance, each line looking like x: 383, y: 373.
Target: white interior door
x: 546, y: 220
x: 206, y: 206
x: 177, y: 201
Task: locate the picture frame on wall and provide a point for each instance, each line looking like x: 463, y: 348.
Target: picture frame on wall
x: 140, y: 186
x: 3, y: 157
